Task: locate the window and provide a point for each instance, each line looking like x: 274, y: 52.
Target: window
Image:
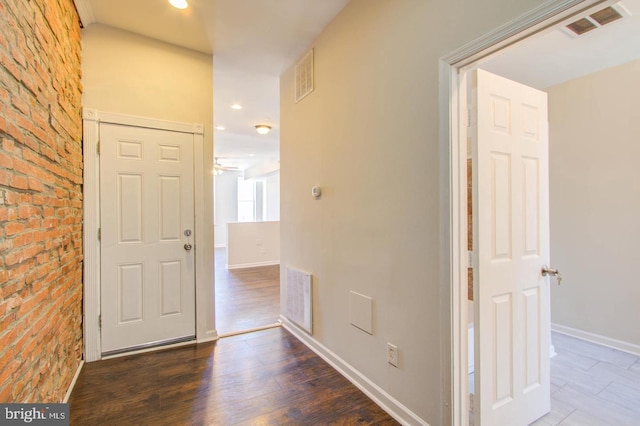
x: 251, y: 200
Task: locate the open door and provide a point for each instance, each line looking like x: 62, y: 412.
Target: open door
x: 511, y: 245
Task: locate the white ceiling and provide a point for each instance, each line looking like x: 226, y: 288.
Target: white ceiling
x: 253, y: 41
x: 554, y: 57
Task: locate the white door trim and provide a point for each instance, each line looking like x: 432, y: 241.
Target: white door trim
x: 453, y: 143
x: 205, y: 326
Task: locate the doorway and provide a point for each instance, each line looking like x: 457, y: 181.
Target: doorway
x: 538, y: 21
x: 203, y: 272
x: 247, y: 252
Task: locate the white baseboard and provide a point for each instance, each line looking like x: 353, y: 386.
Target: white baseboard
x: 253, y: 265
x: 209, y: 336
x: 389, y: 404
x: 73, y: 382
x: 620, y: 345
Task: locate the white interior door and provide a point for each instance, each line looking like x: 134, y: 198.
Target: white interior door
x: 511, y: 243
x: 147, y: 204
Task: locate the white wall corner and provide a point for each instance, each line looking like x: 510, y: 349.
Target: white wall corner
x: 85, y: 11
x: 388, y: 403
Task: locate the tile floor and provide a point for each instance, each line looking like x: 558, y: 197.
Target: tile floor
x: 592, y: 385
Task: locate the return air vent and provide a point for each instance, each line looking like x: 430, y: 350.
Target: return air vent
x: 304, y: 76
x: 298, y: 304
x: 596, y: 20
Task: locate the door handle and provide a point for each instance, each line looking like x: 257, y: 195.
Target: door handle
x: 551, y: 272
x: 188, y: 247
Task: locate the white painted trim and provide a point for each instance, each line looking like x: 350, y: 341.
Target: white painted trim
x: 373, y: 391
x: 204, y: 252
x: 91, y: 223
x: 135, y: 121
x: 251, y: 265
x: 453, y: 189
x: 620, y: 345
x: 73, y: 382
x: 205, y: 308
x: 251, y: 330
x: 221, y: 246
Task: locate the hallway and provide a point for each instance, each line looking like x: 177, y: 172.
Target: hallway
x: 266, y: 378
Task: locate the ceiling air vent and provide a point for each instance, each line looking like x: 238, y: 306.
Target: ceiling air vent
x: 304, y: 76
x: 596, y: 20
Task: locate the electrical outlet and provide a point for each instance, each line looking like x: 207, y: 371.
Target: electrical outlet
x: 392, y: 354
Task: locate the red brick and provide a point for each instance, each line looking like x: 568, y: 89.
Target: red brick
x: 35, y: 185
x: 19, y: 182
x: 13, y: 228
x: 23, y: 240
x: 6, y: 161
x: 40, y: 168
x: 15, y: 132
x: 8, y: 145
x: 10, y: 66
x: 21, y: 105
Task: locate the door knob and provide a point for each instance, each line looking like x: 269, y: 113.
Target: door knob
x: 551, y: 272
x: 188, y: 247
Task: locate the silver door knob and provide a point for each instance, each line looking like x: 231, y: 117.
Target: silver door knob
x: 188, y: 247
x: 551, y: 272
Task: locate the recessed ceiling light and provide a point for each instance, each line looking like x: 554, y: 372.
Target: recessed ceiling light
x: 220, y: 127
x: 237, y: 107
x: 179, y: 4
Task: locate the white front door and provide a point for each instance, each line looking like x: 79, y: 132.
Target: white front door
x: 511, y: 243
x: 147, y: 204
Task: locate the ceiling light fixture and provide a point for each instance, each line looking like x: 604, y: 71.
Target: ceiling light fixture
x: 179, y: 4
x: 237, y: 107
x: 263, y: 129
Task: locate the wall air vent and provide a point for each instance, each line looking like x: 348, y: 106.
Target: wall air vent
x: 304, y: 76
x: 596, y: 20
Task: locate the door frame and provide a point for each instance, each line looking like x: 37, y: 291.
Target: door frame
x: 453, y: 144
x: 204, y: 284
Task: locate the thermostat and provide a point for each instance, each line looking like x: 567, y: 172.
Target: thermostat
x: 316, y: 191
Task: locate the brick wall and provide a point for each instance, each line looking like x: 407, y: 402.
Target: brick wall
x: 40, y: 199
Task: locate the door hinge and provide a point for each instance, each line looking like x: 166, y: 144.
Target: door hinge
x: 100, y: 321
x: 99, y: 234
x: 469, y: 259
x: 98, y: 148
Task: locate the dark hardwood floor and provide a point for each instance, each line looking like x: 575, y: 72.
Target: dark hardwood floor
x: 262, y: 378
x: 245, y: 298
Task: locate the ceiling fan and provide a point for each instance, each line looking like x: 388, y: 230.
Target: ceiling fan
x: 218, y: 168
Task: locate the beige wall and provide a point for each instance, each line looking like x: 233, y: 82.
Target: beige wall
x: 595, y: 202
x: 368, y: 135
